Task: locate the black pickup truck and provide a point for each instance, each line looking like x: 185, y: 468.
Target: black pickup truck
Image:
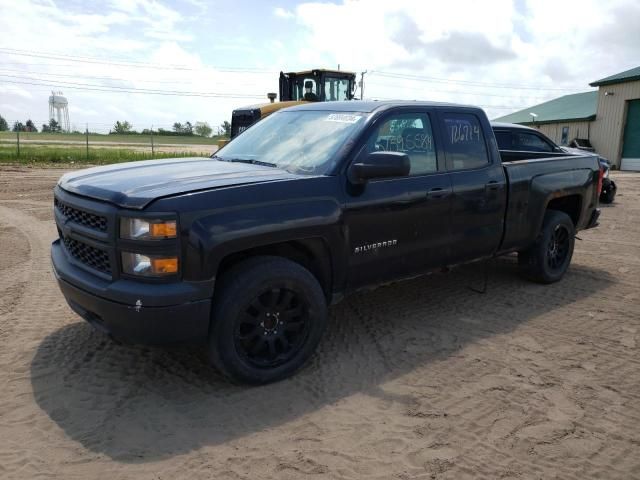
x: 246, y: 250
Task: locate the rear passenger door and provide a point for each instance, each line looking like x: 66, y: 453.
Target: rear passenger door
x: 479, y: 186
x: 397, y: 227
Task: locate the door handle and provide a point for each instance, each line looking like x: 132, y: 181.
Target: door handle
x: 492, y: 186
x: 438, y: 192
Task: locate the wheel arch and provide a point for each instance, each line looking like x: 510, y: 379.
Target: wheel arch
x: 569, y: 204
x: 311, y: 253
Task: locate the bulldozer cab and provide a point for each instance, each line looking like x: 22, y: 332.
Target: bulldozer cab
x: 317, y: 85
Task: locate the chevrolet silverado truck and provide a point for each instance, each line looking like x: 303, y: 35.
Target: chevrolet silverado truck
x: 247, y: 249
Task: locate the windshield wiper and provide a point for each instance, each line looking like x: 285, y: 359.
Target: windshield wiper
x: 247, y: 160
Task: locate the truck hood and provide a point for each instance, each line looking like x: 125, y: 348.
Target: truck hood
x: 136, y: 184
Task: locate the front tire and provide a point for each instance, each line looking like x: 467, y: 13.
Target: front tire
x: 547, y: 260
x: 268, y: 317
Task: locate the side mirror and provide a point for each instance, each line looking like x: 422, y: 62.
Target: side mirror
x: 380, y: 165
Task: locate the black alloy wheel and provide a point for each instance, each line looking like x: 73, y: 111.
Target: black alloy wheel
x: 558, y: 247
x: 548, y: 259
x: 272, y: 328
x: 268, y: 316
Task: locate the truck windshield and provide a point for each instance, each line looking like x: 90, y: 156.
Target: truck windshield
x: 304, y: 142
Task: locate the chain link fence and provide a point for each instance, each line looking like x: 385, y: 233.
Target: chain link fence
x: 95, y: 145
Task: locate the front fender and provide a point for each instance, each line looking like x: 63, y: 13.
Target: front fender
x: 215, y: 236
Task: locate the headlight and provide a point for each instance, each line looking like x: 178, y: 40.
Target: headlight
x: 144, y: 229
x: 149, y: 265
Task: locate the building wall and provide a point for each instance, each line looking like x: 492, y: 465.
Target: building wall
x: 608, y: 128
x: 576, y: 130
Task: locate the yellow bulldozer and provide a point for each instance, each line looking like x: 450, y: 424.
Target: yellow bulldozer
x: 317, y: 85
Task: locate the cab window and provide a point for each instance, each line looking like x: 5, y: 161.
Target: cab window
x: 464, y: 142
x: 336, y: 89
x: 299, y: 87
x: 504, y: 139
x: 409, y: 133
x: 530, y: 142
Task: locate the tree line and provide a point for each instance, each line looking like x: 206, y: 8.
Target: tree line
x: 52, y: 127
x: 201, y: 129
x: 28, y: 126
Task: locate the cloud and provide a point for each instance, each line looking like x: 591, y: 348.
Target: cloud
x: 556, y: 69
x: 283, y: 13
x: 15, y: 90
x: 453, y: 48
x: 468, y: 48
x: 620, y: 30
x: 544, y: 44
x: 407, y: 32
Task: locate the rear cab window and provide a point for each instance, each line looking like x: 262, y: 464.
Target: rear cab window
x: 530, y: 142
x: 504, y: 139
x: 464, y: 141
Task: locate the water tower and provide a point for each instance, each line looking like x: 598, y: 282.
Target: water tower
x: 59, y: 110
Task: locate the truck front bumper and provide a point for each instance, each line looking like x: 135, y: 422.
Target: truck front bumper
x: 160, y: 313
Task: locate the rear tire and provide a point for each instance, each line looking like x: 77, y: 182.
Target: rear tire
x: 547, y: 260
x: 268, y: 317
x: 608, y: 193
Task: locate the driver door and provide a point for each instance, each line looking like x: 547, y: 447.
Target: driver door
x: 398, y: 227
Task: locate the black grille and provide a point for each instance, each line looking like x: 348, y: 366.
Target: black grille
x: 93, y: 257
x: 90, y: 220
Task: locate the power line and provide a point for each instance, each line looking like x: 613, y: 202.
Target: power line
x: 104, y: 88
x: 456, y: 92
x: 420, y: 78
x: 95, y: 60
x: 187, y: 94
x: 507, y: 107
x: 412, y: 77
x: 91, y: 77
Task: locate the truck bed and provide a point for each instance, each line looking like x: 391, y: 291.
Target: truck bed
x: 537, y: 181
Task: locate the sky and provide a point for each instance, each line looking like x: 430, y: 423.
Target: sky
x: 154, y: 62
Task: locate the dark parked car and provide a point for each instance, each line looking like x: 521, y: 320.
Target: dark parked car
x: 517, y: 142
x: 246, y: 250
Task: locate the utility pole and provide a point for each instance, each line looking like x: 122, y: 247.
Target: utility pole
x: 152, y: 151
x: 362, y: 84
x: 18, y: 137
x: 87, y: 138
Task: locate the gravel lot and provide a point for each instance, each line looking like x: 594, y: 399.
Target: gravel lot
x: 424, y: 379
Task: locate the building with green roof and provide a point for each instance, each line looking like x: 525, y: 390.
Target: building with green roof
x: 577, y: 107
x: 608, y: 117
x: 626, y: 76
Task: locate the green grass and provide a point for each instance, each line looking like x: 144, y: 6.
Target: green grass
x: 94, y: 137
x: 65, y: 155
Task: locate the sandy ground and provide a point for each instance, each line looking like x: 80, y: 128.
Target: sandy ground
x: 420, y: 380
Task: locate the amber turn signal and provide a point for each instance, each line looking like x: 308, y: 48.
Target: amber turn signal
x: 164, y: 266
x: 143, y: 229
x: 149, y: 265
x: 163, y: 230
